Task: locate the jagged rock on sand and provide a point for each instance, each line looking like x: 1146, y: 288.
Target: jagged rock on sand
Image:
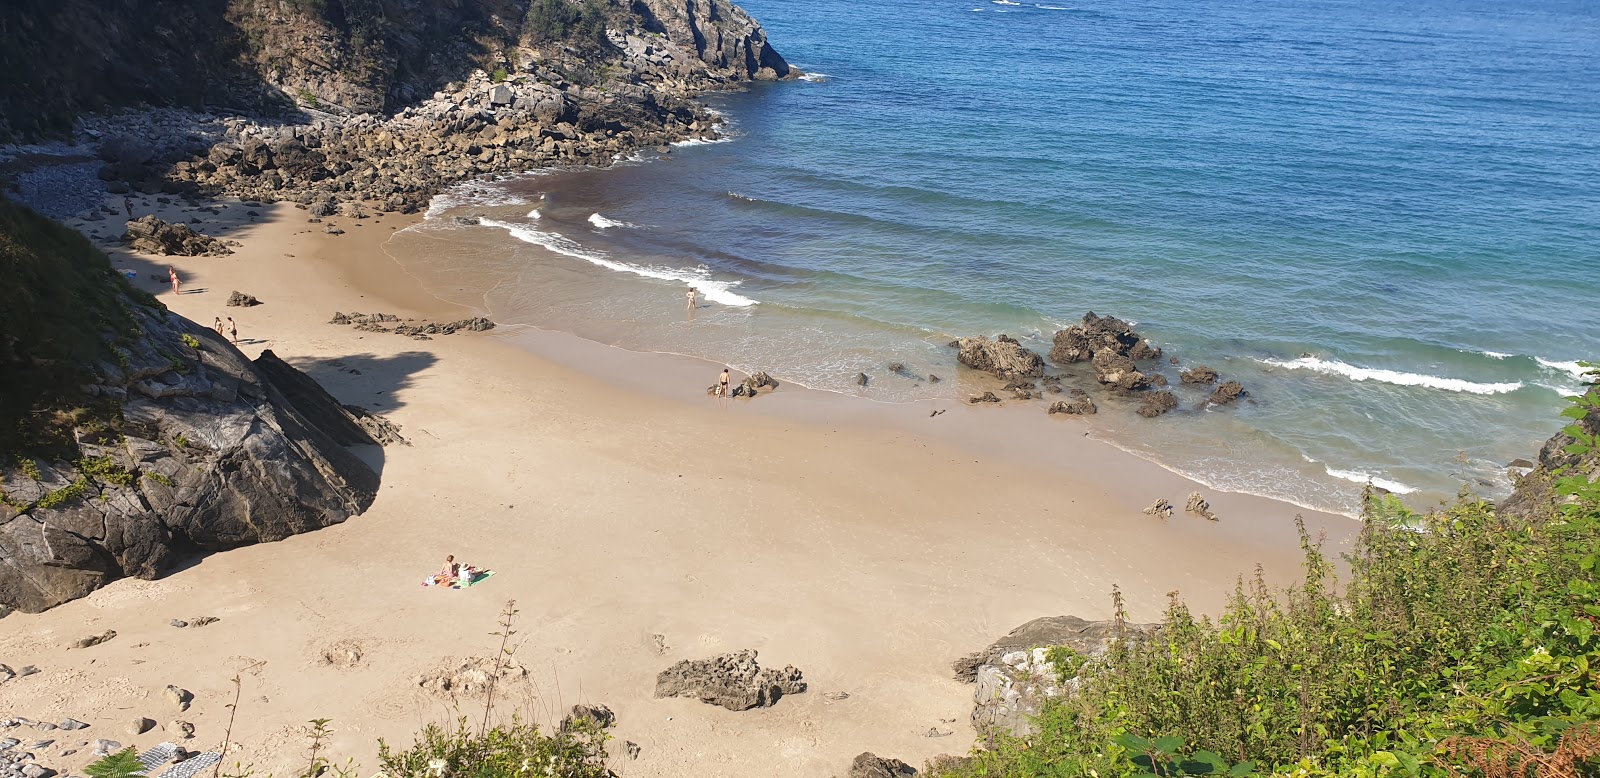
x: 597, y: 716
x: 1227, y: 393
x: 469, y: 677
x: 986, y: 397
x: 1015, y: 676
x: 150, y: 235
x: 1199, y: 374
x: 755, y: 382
x: 1198, y: 506
x: 1079, y: 405
x: 1004, y: 356
x: 870, y: 765
x: 241, y: 300
x: 379, y: 322
x: 1160, y: 508
x: 734, y: 681
x: 1096, y: 334
x: 379, y: 428
x: 93, y: 640
x: 1157, y: 403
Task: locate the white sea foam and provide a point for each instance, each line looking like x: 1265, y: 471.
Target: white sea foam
x: 815, y: 77
x: 1361, y: 477
x: 600, y: 222
x: 1495, y: 354
x: 1005, y: 2
x: 700, y: 278
x: 1051, y: 7
x: 1570, y: 367
x: 1335, y: 367
x: 726, y: 137
x: 534, y: 214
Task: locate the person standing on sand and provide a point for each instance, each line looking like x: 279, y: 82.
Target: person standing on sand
x: 722, y: 385
x: 127, y: 205
x: 691, y: 295
x: 233, y: 331
x: 172, y: 273
x: 217, y: 324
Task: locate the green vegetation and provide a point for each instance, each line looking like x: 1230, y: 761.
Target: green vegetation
x: 160, y: 478
x: 1465, y: 642
x: 191, y: 341
x: 122, y: 764
x: 498, y: 76
x: 307, y: 97
x: 560, y: 21
x: 62, y: 308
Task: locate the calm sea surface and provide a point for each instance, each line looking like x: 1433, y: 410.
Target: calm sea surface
x: 1383, y: 218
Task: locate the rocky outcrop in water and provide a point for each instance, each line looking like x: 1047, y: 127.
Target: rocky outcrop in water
x: 209, y: 452
x: 1157, y: 403
x: 1004, y: 357
x: 149, y: 235
x: 1199, y: 374
x: 1079, y: 405
x: 1227, y: 393
x: 1082, y: 341
x: 733, y: 681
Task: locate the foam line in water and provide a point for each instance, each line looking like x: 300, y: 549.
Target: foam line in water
x: 600, y: 222
x: 815, y: 77
x: 1570, y: 367
x: 1495, y: 354
x: 1361, y: 477
x: 1335, y: 367
x: 713, y: 290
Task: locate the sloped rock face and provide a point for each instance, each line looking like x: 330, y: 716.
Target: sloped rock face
x: 1534, y: 492
x: 210, y: 453
x: 1003, y: 356
x: 733, y: 681
x: 726, y: 39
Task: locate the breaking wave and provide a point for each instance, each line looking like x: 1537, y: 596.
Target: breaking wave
x: 1335, y: 367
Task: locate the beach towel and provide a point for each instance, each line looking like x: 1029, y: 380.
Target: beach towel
x: 461, y: 583
x: 479, y: 577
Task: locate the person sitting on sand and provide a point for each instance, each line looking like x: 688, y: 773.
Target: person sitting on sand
x: 448, y: 574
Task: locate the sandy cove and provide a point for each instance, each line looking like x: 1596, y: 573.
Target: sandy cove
x: 866, y: 544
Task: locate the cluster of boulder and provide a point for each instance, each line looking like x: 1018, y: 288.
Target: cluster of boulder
x: 734, y: 681
x: 1114, y: 351
x: 412, y: 328
x: 1196, y: 504
x: 150, y: 235
x: 751, y: 386
x: 23, y: 757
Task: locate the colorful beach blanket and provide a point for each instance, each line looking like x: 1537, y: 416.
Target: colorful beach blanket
x: 461, y: 583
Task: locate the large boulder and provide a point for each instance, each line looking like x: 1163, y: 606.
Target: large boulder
x: 733, y: 681
x: 1118, y: 371
x: 870, y: 765
x: 1200, y: 374
x: 150, y: 235
x: 1003, y: 356
x: 1227, y: 393
x: 210, y: 452
x: 1082, y: 341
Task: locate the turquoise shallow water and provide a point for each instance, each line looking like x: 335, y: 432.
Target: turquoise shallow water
x: 1382, y: 218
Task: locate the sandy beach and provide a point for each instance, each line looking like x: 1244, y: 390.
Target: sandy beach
x: 634, y: 522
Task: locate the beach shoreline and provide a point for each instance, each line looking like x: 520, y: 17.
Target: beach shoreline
x: 868, y: 544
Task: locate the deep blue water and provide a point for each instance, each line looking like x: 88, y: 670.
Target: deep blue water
x: 1383, y: 218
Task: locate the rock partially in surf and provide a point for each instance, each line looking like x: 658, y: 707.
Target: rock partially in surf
x: 1156, y: 379
x: 1023, y: 390
x: 1157, y: 403
x: 758, y: 380
x: 1521, y: 464
x: 861, y: 379
x: 933, y: 379
x: 1080, y: 405
x: 1199, y: 374
x: 1199, y: 507
x: 986, y: 397
x: 1004, y: 356
x: 1227, y: 393
x: 896, y: 367
x: 1117, y: 370
x: 1160, y: 509
x: 466, y: 221
x: 1095, y: 334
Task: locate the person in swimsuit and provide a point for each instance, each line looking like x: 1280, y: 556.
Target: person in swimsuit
x: 691, y: 295
x: 172, y: 274
x: 722, y: 385
x: 233, y: 331
x: 447, y: 575
x: 217, y: 324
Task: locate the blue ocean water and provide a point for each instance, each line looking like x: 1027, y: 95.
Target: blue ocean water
x: 1382, y: 218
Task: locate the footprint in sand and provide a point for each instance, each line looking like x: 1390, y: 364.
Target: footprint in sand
x: 710, y: 640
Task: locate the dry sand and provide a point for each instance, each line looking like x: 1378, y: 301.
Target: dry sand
x: 869, y: 545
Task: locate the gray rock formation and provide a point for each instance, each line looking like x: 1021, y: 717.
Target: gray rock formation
x: 870, y: 765
x: 1227, y: 393
x: 241, y: 300
x: 733, y: 681
x: 1015, y: 675
x: 1200, y: 374
x: 1118, y: 371
x: 1079, y: 405
x: 1003, y: 356
x: 149, y: 235
x: 1157, y: 403
x: 210, y: 453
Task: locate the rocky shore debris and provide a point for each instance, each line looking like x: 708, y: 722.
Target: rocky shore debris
x: 755, y: 382
x: 1160, y: 509
x: 597, y: 717
x: 1003, y: 356
x: 470, y: 677
x: 1227, y: 393
x: 150, y: 235
x: 986, y: 397
x: 1157, y: 403
x: 382, y: 431
x: 93, y: 640
x: 870, y: 765
x: 417, y: 330
x: 1199, y: 374
x: 862, y: 379
x: 1024, y: 390
x: 179, y: 698
x: 1095, y: 334
x: 734, y: 681
x: 1079, y: 405
x: 1199, y: 507
x: 241, y: 300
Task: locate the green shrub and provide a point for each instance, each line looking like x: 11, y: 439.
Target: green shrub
x: 555, y: 21
x: 191, y: 341
x: 514, y: 749
x: 1465, y: 642
x: 498, y: 76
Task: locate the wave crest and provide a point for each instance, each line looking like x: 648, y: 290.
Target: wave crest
x: 1362, y: 477
x: 1335, y: 367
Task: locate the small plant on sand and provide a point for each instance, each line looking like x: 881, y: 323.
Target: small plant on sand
x: 508, y: 617
x: 122, y: 764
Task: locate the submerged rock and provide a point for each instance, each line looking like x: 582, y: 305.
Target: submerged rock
x: 1200, y: 374
x: 1227, y: 393
x: 1157, y: 403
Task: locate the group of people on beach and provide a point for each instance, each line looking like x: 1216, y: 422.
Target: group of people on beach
x: 453, y: 573
x: 232, y: 330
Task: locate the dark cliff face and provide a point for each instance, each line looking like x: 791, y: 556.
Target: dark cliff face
x: 1535, y: 492
x: 67, y: 57
x: 172, y: 442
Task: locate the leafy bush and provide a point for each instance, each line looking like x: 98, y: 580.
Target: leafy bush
x: 498, y: 75
x: 556, y: 21
x: 1465, y: 643
x: 515, y: 749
